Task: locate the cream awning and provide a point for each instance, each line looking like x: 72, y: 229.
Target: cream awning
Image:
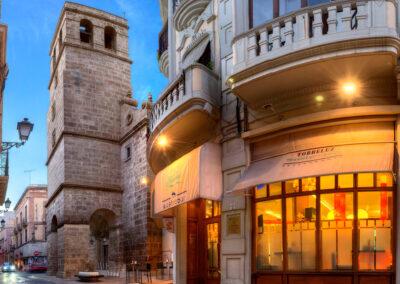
x: 197, y: 174
x: 368, y: 157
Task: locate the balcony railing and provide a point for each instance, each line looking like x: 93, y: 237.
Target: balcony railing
x: 3, y: 163
x: 197, y: 83
x: 314, y: 26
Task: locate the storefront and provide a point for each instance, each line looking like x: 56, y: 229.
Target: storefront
x: 323, y: 205
x: 187, y: 195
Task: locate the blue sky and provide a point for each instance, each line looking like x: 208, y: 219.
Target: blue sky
x: 31, y: 24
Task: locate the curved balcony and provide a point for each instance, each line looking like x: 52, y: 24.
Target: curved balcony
x: 187, y: 10
x: 163, y: 63
x: 163, y: 50
x: 186, y: 114
x: 315, y: 46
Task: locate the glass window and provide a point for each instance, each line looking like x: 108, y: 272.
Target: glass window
x: 217, y: 208
x: 384, y: 180
x: 287, y: 6
x: 336, y: 214
x: 263, y: 11
x: 308, y: 184
x: 209, y: 209
x: 365, y: 180
x: 212, y: 249
x: 345, y: 181
x: 275, y: 188
x: 261, y: 191
x: 269, y: 253
x: 300, y: 219
x: 292, y: 186
x: 375, y: 227
x: 327, y: 182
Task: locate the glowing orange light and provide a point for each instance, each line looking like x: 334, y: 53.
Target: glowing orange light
x: 349, y: 88
x: 162, y: 141
x: 319, y: 99
x: 144, y: 181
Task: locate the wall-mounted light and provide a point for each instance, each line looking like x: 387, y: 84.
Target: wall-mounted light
x: 162, y: 141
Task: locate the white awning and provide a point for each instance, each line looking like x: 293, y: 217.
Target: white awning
x: 197, y: 174
x: 368, y: 157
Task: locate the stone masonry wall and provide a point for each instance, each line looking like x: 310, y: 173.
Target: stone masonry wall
x: 142, y: 235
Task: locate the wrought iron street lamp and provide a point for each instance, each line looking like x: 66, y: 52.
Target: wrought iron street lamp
x: 3, y: 224
x: 24, y: 128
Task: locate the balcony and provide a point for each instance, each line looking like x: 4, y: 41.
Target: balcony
x: 3, y: 175
x: 19, y: 227
x: 186, y: 113
x: 186, y: 11
x: 163, y: 50
x: 315, y: 46
x: 24, y: 222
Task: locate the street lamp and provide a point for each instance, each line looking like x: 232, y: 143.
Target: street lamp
x: 24, y: 128
x: 7, y: 206
x: 3, y: 224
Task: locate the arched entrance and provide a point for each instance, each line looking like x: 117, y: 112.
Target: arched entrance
x: 53, y: 247
x: 104, y: 238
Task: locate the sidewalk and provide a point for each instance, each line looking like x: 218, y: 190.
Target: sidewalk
x: 105, y: 280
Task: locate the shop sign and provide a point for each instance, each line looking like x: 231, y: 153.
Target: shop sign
x: 311, y: 156
x: 233, y: 224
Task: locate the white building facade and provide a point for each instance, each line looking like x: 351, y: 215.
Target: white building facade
x: 274, y: 145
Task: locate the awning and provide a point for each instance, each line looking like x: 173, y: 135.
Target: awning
x: 197, y: 174
x: 368, y: 157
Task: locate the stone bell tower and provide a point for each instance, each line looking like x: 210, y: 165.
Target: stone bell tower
x: 90, y: 75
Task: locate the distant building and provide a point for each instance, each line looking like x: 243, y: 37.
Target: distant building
x: 6, y: 237
x: 30, y: 233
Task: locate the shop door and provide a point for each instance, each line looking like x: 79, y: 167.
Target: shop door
x: 212, y: 252
x: 212, y: 241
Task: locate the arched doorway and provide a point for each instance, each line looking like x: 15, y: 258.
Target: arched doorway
x: 53, y: 247
x: 104, y: 238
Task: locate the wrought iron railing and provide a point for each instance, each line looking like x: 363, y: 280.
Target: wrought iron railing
x: 4, y: 163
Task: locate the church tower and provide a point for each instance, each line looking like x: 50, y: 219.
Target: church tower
x: 90, y: 76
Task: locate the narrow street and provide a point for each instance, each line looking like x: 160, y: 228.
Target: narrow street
x: 43, y: 278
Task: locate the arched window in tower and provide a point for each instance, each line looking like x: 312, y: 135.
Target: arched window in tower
x: 109, y: 38
x: 86, y: 31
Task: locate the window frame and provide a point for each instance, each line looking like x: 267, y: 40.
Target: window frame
x: 318, y: 253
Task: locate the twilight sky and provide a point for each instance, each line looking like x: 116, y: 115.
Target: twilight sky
x: 31, y: 24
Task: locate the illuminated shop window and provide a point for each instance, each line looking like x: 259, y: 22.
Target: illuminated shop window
x: 292, y: 186
x: 300, y: 222
x: 365, y: 180
x: 375, y: 225
x: 261, y: 191
x: 336, y: 215
x: 346, y: 181
x: 212, y: 208
x: 338, y: 203
x: 327, y: 182
x: 309, y: 184
x: 384, y: 180
x: 275, y: 189
x: 269, y: 235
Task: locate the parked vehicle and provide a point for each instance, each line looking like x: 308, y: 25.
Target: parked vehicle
x: 37, y: 264
x: 8, y: 267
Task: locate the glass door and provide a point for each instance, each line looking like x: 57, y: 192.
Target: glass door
x: 212, y: 224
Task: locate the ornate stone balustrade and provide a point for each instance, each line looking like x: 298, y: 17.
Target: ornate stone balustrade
x: 317, y: 26
x: 197, y: 86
